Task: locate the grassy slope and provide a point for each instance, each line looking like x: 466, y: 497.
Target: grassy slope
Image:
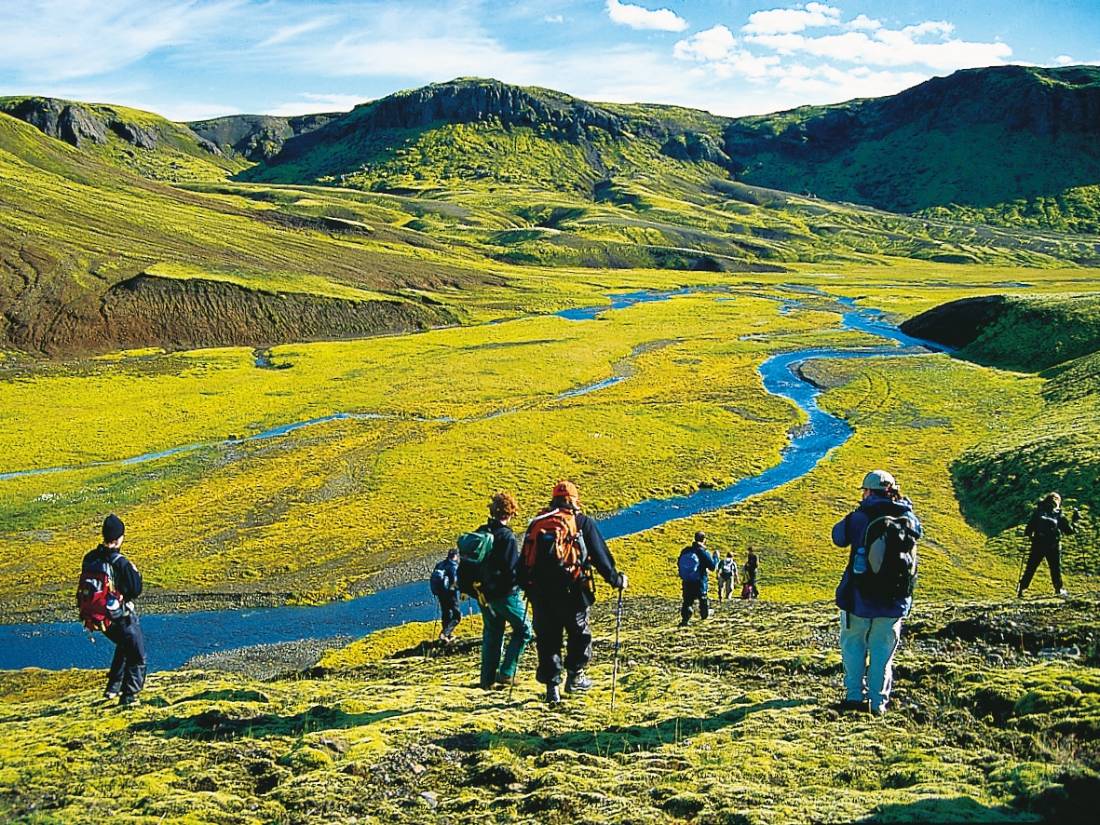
x: 730, y: 721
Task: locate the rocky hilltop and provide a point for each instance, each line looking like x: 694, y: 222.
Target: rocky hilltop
x: 257, y: 137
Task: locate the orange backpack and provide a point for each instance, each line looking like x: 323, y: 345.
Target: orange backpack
x: 553, y: 550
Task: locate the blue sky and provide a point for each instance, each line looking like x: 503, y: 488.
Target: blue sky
x: 199, y: 58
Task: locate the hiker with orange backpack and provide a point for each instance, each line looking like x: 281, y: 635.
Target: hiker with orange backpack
x: 561, y: 548
x: 105, y: 595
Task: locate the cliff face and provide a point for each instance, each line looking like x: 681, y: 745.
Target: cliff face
x: 80, y: 124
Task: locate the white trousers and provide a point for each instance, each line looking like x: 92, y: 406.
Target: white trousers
x: 868, y: 639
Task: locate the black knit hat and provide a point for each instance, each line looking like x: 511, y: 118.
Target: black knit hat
x: 113, y: 528
x: 700, y: 537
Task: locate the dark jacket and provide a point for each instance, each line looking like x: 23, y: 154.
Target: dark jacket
x: 752, y: 564
x: 1048, y: 539
x: 502, y: 565
x: 449, y: 567
x: 126, y: 577
x: 599, y: 554
x: 707, y: 561
x: 849, y: 532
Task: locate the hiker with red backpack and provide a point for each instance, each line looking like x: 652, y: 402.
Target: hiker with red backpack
x: 876, y: 591
x: 1045, y: 528
x: 693, y: 565
x: 105, y: 595
x: 444, y: 586
x: 561, y: 548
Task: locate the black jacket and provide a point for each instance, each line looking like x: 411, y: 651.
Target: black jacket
x: 599, y: 554
x: 1046, y: 539
x: 501, y: 575
x: 127, y: 578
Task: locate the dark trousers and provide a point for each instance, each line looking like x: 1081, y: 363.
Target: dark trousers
x: 552, y: 618
x: 450, y: 613
x: 1053, y: 555
x: 127, y: 673
x: 693, y: 592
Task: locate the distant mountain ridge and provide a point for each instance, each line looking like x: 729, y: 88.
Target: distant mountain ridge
x: 1009, y: 145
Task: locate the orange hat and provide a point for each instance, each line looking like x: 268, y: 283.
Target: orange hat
x: 566, y: 489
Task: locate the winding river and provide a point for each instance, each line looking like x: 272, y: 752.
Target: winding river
x: 173, y: 639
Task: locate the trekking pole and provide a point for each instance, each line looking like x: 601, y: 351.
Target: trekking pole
x: 511, y: 687
x: 615, y: 659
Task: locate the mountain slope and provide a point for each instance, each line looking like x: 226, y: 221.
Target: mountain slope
x: 93, y: 257
x: 979, y: 138
x: 142, y: 142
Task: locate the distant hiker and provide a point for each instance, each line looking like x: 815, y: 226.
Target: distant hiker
x: 503, y: 603
x: 105, y: 595
x: 876, y: 590
x: 561, y: 547
x: 752, y: 570
x: 694, y: 563
x: 444, y: 584
x: 727, y: 577
x: 1045, y: 529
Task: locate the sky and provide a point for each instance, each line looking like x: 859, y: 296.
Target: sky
x: 191, y: 59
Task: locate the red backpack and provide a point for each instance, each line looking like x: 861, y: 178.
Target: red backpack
x: 97, y: 600
x: 553, y: 550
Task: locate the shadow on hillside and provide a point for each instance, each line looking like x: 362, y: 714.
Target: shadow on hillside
x: 618, y: 739
x: 959, y: 809
x: 213, y: 724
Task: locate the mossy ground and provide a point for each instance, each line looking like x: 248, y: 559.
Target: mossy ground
x: 729, y: 720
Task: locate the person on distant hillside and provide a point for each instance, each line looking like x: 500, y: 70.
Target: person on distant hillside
x: 727, y: 577
x: 752, y: 571
x: 876, y: 591
x: 561, y: 548
x: 1045, y: 529
x: 503, y: 600
x: 109, y: 584
x: 694, y: 563
x: 444, y: 584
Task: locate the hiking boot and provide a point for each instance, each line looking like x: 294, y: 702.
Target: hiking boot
x: 129, y: 700
x: 879, y: 711
x: 553, y: 697
x: 577, y: 682
x: 852, y: 705
x: 1062, y: 594
x: 1020, y: 592
x: 110, y: 695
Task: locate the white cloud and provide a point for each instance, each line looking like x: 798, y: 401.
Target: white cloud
x: 712, y: 44
x: 52, y: 40
x: 285, y: 33
x: 1064, y: 60
x: 888, y: 47
x: 308, y: 104
x: 781, y: 21
x: 554, y: 18
x: 825, y: 82
x: 862, y: 21
x: 639, y: 17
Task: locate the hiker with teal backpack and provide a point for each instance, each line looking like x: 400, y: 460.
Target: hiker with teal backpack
x: 876, y: 591
x: 105, y: 593
x: 1045, y: 529
x: 491, y: 577
x: 444, y: 585
x: 727, y: 577
x: 693, y: 565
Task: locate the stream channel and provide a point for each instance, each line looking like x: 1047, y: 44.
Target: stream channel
x: 174, y: 638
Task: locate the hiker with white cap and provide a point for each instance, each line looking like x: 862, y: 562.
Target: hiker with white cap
x: 876, y: 590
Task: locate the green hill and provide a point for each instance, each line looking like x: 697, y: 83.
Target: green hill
x: 999, y: 480
x: 1012, y: 144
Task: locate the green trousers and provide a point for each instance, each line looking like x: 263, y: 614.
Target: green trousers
x: 507, y: 610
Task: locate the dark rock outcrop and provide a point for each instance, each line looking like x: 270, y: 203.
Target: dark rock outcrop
x: 70, y: 122
x: 255, y: 137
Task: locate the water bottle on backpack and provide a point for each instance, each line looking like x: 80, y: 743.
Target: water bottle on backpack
x: 859, y: 561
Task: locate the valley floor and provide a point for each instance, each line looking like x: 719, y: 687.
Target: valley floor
x: 732, y: 720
